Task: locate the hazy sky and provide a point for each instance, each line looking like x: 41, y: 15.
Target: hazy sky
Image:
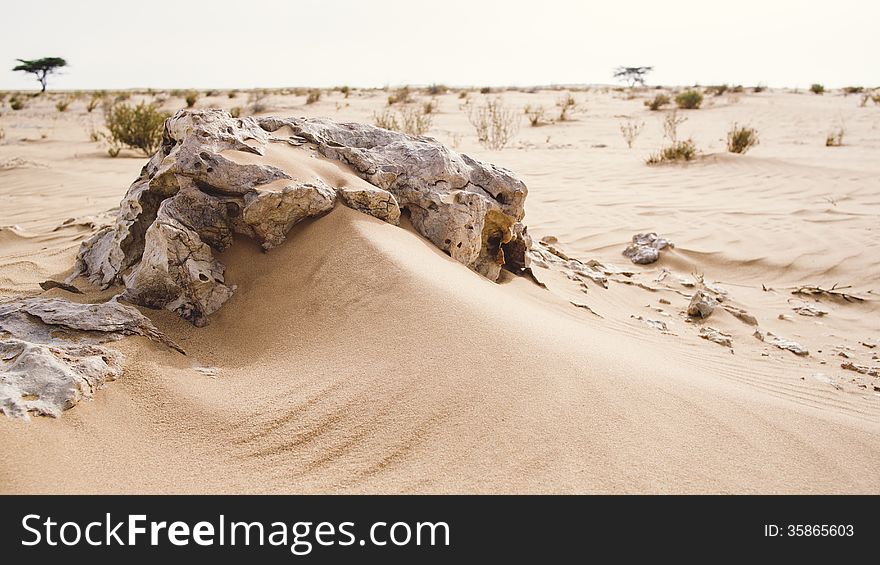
x: 271, y: 43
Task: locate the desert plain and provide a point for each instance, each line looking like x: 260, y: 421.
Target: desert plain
x: 357, y: 357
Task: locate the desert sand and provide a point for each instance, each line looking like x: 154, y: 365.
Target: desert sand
x: 357, y: 357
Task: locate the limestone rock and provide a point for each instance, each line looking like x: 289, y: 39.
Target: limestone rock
x: 190, y: 201
x: 50, y: 352
x: 645, y: 248
x: 701, y: 306
x: 716, y: 336
x: 781, y: 342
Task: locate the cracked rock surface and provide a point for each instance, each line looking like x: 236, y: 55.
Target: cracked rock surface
x: 51, y: 355
x: 190, y: 201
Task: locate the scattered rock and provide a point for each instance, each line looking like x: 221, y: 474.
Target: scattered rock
x: 781, y: 342
x: 806, y: 309
x: 50, y: 352
x: 656, y: 324
x: 863, y: 369
x: 645, y: 248
x: 50, y: 284
x: 664, y: 301
x: 190, y: 200
x: 741, y: 315
x: 716, y: 336
x: 701, y: 306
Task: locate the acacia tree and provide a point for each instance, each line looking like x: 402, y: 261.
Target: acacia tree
x: 42, y: 68
x: 632, y: 75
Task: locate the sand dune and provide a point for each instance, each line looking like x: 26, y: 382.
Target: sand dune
x: 356, y: 357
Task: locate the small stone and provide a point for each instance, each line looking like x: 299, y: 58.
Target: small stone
x: 701, y: 306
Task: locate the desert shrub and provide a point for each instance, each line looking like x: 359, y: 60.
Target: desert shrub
x: 210, y: 93
x: 400, y: 96
x: 817, y: 88
x: 671, y: 121
x: 486, y: 90
x: 177, y: 93
x: 690, y: 99
x: 2, y: 134
x: 759, y: 89
x: 535, y: 115
x: 138, y: 127
x: 232, y: 94
x: 257, y: 101
x: 737, y: 89
x: 122, y: 97
x: 345, y: 90
x: 63, y: 104
x: 313, y: 96
x: 630, y: 131
x: 495, y: 125
x: 235, y: 111
x: 191, y: 97
x: 567, y: 106
x: 16, y: 103
x: 679, y: 151
x: 2, y: 97
x: 657, y: 102
x: 717, y: 90
x: 462, y: 94
x: 835, y: 136
x: 436, y: 89
x: 387, y: 119
x: 741, y: 139
x: 93, y: 102
x: 430, y: 106
x: 853, y: 89
x: 415, y: 121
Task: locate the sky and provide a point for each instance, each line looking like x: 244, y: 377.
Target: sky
x: 112, y: 44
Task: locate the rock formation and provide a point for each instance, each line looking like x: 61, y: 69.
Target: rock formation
x: 645, y: 248
x: 190, y: 200
x: 701, y: 305
x: 50, y: 357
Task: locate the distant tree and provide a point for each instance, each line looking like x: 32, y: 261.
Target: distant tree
x: 42, y: 68
x: 632, y: 75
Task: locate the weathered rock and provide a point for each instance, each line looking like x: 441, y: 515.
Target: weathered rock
x: 701, y: 306
x: 190, y: 201
x: 807, y: 309
x: 863, y: 369
x: 781, y: 342
x: 50, y: 357
x: 716, y: 336
x: 645, y: 248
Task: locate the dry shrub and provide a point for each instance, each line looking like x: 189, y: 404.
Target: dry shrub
x: 690, y: 99
x: 191, y: 97
x: 402, y: 95
x: 741, y: 139
x: 495, y: 124
x: 671, y: 121
x: 835, y: 136
x: 657, y: 102
x: 535, y: 115
x: 430, y: 106
x: 677, y: 152
x: 63, y: 104
x: 817, y: 88
x: 313, y: 96
x: 630, y: 131
x: 567, y: 106
x: 137, y: 127
x: 411, y: 120
x: 387, y: 119
x: 257, y: 101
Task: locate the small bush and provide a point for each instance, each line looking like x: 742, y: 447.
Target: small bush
x: 677, y: 152
x: 737, y: 89
x: 495, y: 125
x: 191, y: 97
x: 567, y: 106
x: 400, y: 96
x: 436, y: 89
x: 462, y: 94
x: 759, y: 89
x: 415, y: 121
x: 386, y: 120
x: 657, y: 102
x: 853, y: 89
x: 430, y: 106
x: 232, y: 94
x: 93, y: 102
x: 345, y: 90
x: 741, y: 139
x: 257, y: 101
x: 313, y: 96
x: 535, y: 115
x: 630, y: 131
x: 63, y: 104
x: 671, y: 121
x: 210, y: 93
x: 717, y: 90
x: 16, y: 103
x: 690, y: 99
x: 835, y: 137
x: 235, y: 111
x: 817, y: 88
x: 138, y: 127
x: 486, y: 90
